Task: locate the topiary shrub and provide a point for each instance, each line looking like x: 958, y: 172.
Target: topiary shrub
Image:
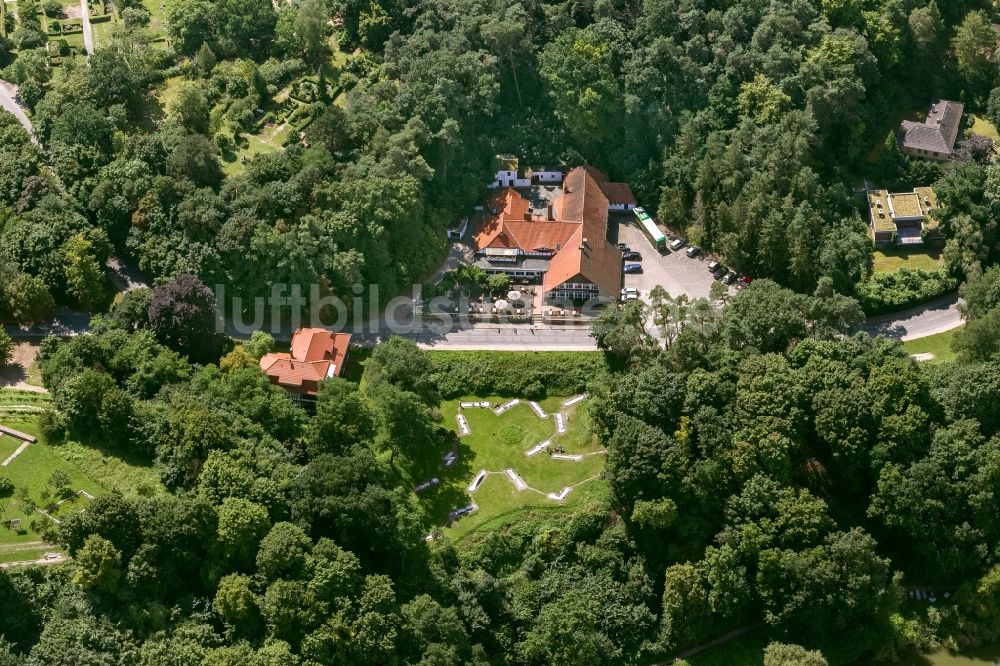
x: 512, y: 434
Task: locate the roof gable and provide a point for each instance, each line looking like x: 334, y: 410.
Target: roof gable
x: 316, y: 354
x: 939, y: 130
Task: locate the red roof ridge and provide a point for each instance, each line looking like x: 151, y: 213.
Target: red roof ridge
x: 316, y: 354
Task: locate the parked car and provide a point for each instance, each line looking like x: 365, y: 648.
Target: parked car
x: 632, y: 255
x: 714, y: 267
x: 678, y: 244
x: 633, y: 268
x: 623, y: 247
x: 693, y: 251
x: 630, y: 294
x: 730, y: 277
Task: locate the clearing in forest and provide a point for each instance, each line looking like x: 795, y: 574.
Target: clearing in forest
x: 517, y: 445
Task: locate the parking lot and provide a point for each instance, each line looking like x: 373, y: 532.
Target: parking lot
x: 674, y: 271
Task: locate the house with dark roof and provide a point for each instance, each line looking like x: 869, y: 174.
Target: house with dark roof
x: 316, y: 354
x: 933, y: 139
x: 563, y: 246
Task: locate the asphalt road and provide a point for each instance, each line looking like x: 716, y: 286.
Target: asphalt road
x: 919, y: 322
x: 8, y: 91
x: 506, y: 337
x: 692, y: 278
x: 930, y: 319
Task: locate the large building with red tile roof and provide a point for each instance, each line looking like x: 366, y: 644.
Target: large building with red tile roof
x: 564, y: 246
x: 316, y: 354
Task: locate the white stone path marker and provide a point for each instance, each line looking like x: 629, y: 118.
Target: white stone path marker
x: 576, y: 457
x: 515, y: 479
x: 476, y: 481
x: 538, y: 448
x: 560, y: 423
x: 507, y: 405
x: 561, y: 495
x: 15, y: 454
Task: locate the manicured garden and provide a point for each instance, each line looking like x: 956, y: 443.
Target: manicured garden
x: 496, y: 443
x: 887, y: 260
x: 43, y: 474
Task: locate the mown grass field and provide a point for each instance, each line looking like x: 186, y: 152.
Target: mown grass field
x: 498, y: 442
x: 939, y: 345
x: 158, y: 15
x: 887, y: 260
x: 978, y: 124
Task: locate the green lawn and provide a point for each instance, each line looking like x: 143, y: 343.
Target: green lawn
x: 158, y: 15
x: 97, y: 472
x: 17, y: 404
x: 939, y: 345
x: 102, y: 31
x: 16, y: 397
x: 887, y: 260
x: 983, y: 127
x: 271, y: 140
x: 498, y: 442
x: 168, y: 90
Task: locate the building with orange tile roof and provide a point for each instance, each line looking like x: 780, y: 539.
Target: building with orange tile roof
x: 316, y: 354
x: 564, y: 246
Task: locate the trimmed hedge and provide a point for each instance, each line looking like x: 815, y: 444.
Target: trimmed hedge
x: 883, y: 293
x: 515, y: 374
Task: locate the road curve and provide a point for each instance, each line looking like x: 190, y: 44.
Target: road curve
x: 8, y: 102
x: 931, y: 318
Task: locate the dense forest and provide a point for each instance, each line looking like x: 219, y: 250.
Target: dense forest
x: 746, y: 123
x: 762, y: 471
x: 766, y: 470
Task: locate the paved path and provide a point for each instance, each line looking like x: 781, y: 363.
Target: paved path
x: 929, y: 319
x: 88, y: 35
x: 63, y: 322
x: 126, y: 276
x: 44, y: 561
x: 8, y: 102
x: 16, y: 453
x: 724, y: 638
